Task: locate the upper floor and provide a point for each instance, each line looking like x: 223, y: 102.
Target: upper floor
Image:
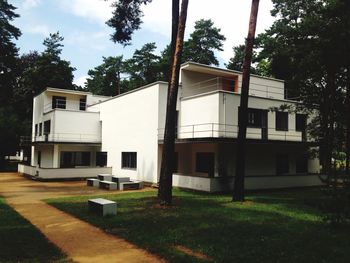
x: 64, y: 116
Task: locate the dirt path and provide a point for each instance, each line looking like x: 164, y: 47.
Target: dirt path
x: 81, y: 241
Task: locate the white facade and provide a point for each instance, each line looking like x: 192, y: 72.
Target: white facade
x: 129, y: 129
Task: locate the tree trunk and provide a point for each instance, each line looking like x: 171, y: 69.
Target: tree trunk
x: 347, y: 162
x: 166, y: 171
x: 238, y: 192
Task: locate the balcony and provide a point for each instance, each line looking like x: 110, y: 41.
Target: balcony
x: 70, y: 126
x: 217, y: 130
x: 261, y: 88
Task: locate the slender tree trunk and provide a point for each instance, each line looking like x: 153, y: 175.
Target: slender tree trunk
x: 347, y: 162
x: 166, y: 172
x: 238, y: 191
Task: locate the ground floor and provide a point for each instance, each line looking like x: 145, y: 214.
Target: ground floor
x: 200, y: 165
x: 210, y: 166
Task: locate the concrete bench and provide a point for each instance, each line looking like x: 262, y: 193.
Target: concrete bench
x: 118, y: 179
x: 104, y: 177
x: 102, y: 206
x: 93, y: 182
x: 133, y: 185
x: 108, y: 185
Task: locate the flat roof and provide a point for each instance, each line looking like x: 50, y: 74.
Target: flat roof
x: 194, y: 66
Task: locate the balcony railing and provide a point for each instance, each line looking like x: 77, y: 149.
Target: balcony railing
x: 68, y: 137
x: 217, y: 130
x: 219, y: 83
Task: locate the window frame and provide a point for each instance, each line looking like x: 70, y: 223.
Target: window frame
x: 203, y: 160
x: 129, y: 160
x: 56, y: 105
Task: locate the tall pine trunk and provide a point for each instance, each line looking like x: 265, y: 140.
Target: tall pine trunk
x: 166, y: 171
x: 347, y: 162
x: 238, y: 191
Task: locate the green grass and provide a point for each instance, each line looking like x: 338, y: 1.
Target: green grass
x: 284, y: 226
x: 22, y: 242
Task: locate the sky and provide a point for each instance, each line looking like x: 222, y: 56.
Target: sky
x: 87, y: 37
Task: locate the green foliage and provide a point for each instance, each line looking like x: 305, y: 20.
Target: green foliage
x: 22, y: 242
x: 283, y: 226
x: 126, y: 19
x: 105, y: 79
x: 203, y: 42
x: 8, y: 50
x: 143, y: 68
x: 53, y: 45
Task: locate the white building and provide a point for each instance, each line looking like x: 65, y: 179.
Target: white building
x: 75, y: 132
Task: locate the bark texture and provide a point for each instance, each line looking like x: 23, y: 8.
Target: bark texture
x: 238, y: 191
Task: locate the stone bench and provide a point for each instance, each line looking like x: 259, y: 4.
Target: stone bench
x: 108, y: 185
x: 133, y: 185
x: 118, y: 180
x: 93, y: 182
x: 104, y: 177
x: 102, y: 206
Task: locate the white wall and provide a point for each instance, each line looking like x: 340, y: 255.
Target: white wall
x: 130, y: 124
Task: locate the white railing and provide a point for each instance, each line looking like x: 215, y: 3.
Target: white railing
x: 218, y: 83
x: 218, y: 130
x: 68, y: 137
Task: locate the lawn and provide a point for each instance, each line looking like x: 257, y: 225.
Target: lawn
x: 22, y: 242
x: 283, y: 226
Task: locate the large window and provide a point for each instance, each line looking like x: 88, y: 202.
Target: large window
x: 101, y: 159
x: 205, y: 163
x: 73, y: 159
x: 129, y: 160
x: 58, y: 102
x: 300, y: 122
x: 47, y: 127
x: 281, y: 121
x: 282, y: 164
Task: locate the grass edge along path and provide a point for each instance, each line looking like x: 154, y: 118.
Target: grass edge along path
x: 20, y: 241
x: 278, y: 226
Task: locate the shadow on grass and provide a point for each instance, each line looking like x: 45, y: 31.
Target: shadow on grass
x: 268, y: 228
x: 22, y: 242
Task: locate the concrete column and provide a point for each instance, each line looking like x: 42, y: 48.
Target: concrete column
x: 56, y: 156
x: 32, y: 160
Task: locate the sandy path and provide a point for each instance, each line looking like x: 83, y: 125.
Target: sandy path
x: 81, y: 241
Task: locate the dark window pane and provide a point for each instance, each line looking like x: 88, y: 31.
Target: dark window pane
x: 176, y: 162
x: 129, y: 160
x: 281, y: 121
x: 205, y: 163
x: 300, y: 122
x: 40, y: 129
x: 47, y: 127
x: 82, y: 104
x: 58, y: 102
x: 101, y: 159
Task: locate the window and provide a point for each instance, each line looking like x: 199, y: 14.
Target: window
x: 40, y: 128
x: 82, y: 104
x: 129, y: 160
x: 205, y: 163
x: 72, y: 159
x: 254, y: 118
x: 281, y: 121
x: 300, y: 122
x: 101, y: 159
x: 47, y: 127
x: 58, y: 102
x: 301, y: 164
x: 282, y: 164
x: 36, y: 129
